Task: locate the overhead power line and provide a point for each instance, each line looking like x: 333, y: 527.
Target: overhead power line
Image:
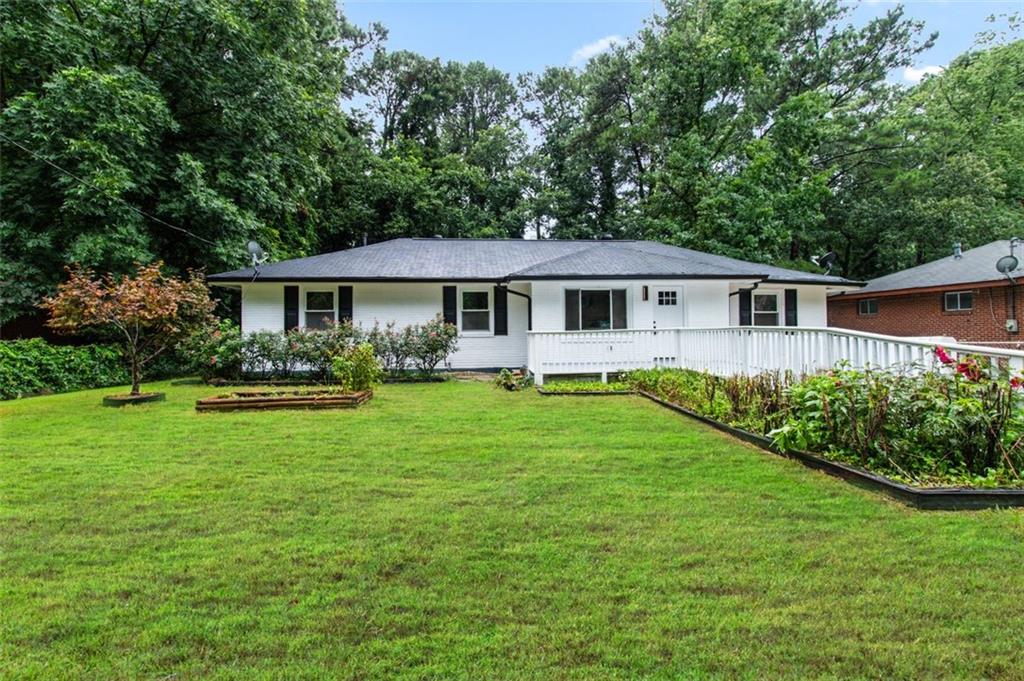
x: 92, y: 186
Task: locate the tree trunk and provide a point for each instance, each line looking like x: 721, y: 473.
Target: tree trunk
x: 136, y: 376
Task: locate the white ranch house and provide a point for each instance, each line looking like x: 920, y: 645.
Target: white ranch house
x: 573, y: 307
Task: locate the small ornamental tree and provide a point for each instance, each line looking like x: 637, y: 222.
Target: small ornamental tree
x: 147, y: 314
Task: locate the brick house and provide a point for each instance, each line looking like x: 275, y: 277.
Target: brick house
x: 961, y: 297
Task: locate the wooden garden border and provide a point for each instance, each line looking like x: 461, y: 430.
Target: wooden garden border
x: 294, y: 399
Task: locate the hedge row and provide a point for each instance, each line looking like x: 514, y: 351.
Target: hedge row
x: 34, y: 366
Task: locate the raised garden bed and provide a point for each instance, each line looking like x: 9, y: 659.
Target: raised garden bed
x: 283, y: 399
x: 925, y: 498
x: 125, y: 399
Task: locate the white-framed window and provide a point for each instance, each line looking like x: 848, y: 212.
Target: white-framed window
x: 475, y: 310
x: 766, y: 309
x: 595, y: 309
x: 958, y: 301
x: 867, y: 307
x: 668, y: 298
x: 320, y: 311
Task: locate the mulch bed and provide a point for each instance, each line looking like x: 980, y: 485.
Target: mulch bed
x: 283, y: 399
x: 124, y: 399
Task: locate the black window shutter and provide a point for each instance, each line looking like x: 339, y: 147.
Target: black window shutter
x: 449, y: 305
x: 745, y: 314
x: 500, y: 311
x: 291, y: 307
x: 344, y: 303
x: 572, y: 309
x: 790, y: 307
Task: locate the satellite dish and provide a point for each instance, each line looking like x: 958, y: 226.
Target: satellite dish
x: 1007, y: 264
x: 259, y: 256
x: 826, y: 261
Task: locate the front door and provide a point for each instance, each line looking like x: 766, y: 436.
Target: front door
x: 668, y: 306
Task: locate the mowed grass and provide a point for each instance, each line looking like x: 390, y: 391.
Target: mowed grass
x: 458, y: 531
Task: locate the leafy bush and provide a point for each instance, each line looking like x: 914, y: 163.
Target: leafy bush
x: 513, y: 381
x: 433, y: 343
x: 219, y: 351
x: 393, y: 348
x: 587, y: 387
x: 214, y: 352
x: 357, y: 369
x: 962, y: 424
x: 33, y: 366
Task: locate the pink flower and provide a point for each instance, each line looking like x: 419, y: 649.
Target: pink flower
x: 943, y: 356
x: 969, y: 369
x: 213, y: 360
x: 1016, y: 383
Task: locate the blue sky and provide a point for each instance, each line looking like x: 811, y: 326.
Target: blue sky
x: 528, y: 35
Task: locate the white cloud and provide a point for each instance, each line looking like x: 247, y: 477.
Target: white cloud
x: 912, y: 75
x: 591, y: 50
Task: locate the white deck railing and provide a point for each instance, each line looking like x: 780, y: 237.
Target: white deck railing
x: 734, y: 350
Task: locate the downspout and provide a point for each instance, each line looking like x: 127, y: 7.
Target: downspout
x: 529, y: 303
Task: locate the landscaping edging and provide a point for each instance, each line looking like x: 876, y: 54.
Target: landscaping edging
x: 593, y: 393
x: 264, y: 400
x: 125, y: 400
x: 938, y: 498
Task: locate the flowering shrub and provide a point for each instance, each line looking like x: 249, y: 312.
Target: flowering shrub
x: 961, y: 424
x: 357, y: 369
x: 219, y: 350
x: 513, y: 381
x: 432, y: 343
x: 214, y: 351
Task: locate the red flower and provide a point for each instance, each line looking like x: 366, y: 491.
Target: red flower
x: 1016, y: 383
x: 969, y: 369
x: 943, y: 356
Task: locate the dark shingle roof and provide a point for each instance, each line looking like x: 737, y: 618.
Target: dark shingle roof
x: 511, y: 259
x: 976, y: 265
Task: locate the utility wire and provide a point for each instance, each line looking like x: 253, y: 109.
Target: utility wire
x: 104, y: 192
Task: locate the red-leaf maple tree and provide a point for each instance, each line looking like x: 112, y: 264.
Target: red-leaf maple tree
x: 146, y: 313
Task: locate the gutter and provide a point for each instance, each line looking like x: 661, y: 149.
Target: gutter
x: 529, y: 303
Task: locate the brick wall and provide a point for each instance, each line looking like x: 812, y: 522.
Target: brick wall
x: 921, y: 314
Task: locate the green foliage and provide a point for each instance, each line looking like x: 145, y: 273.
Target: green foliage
x: 392, y: 346
x: 433, y: 343
x: 35, y: 366
x: 512, y: 381
x: 926, y: 428
x: 961, y: 425
x: 357, y: 369
x: 215, y: 351
x: 587, y: 387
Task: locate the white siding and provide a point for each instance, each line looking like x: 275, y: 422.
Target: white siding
x: 404, y: 304
x: 705, y: 302
x: 810, y: 304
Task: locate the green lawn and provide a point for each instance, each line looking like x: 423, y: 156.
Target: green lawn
x: 455, y: 530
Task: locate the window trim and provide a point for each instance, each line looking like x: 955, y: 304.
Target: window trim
x: 673, y: 292
x: 869, y: 313
x: 611, y: 306
x: 490, y: 310
x: 959, y: 295
x: 306, y: 310
x: 753, y: 308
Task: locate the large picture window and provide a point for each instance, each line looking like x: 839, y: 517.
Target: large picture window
x: 476, y: 311
x: 766, y: 309
x: 595, y: 309
x: 319, y: 309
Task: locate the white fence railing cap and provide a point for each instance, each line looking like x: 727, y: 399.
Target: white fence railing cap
x: 793, y: 330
